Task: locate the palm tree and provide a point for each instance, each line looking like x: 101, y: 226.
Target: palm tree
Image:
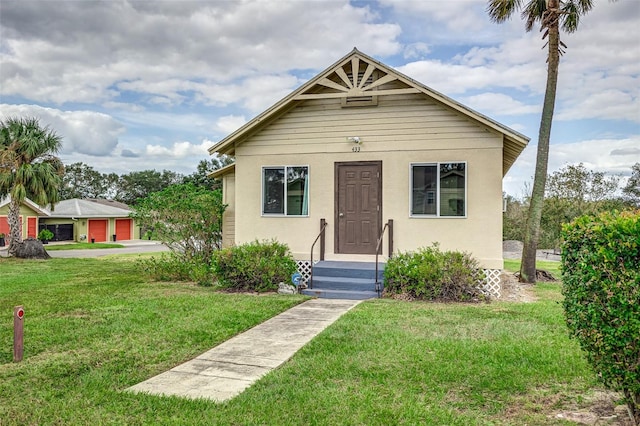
x: 553, y: 15
x: 28, y: 168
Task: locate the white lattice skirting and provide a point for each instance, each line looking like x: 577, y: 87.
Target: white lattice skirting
x: 304, y: 267
x: 492, y: 286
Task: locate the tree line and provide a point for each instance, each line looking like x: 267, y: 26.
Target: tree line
x: 81, y: 180
x: 571, y: 192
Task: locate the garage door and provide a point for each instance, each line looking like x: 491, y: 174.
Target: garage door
x: 98, y: 230
x: 32, y: 227
x: 4, y: 227
x: 123, y: 229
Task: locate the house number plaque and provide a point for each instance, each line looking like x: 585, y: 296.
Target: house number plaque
x: 355, y: 149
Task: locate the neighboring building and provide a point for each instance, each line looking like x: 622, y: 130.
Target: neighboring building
x: 358, y: 145
x: 30, y: 214
x: 89, y: 220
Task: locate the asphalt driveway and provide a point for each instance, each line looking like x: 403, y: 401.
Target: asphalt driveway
x: 130, y: 247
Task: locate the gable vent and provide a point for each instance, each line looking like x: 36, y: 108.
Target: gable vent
x: 355, y: 101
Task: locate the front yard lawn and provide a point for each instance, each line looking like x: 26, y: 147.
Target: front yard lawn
x: 94, y: 327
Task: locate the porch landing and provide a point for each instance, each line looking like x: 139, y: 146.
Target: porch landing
x: 345, y: 280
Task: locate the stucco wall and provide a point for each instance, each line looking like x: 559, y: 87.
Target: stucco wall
x: 401, y: 130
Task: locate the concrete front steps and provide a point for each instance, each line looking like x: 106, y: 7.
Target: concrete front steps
x: 345, y: 280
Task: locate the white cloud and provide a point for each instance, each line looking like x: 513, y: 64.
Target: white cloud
x: 175, y: 122
x: 117, y: 45
x: 230, y: 123
x: 514, y: 64
x: 124, y: 106
x: 608, y: 104
x: 416, y: 50
x: 499, y: 104
x: 84, y: 132
x: 460, y: 21
x: 178, y: 149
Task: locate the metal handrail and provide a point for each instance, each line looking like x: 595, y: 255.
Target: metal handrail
x: 380, y: 238
x: 323, y: 226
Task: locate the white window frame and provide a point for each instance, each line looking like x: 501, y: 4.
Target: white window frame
x: 285, y: 167
x: 437, y: 196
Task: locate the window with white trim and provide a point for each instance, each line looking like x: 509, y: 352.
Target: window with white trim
x: 439, y: 189
x: 285, y: 190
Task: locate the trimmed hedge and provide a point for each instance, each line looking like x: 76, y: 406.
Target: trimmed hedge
x: 601, y: 287
x: 431, y: 274
x: 256, y: 266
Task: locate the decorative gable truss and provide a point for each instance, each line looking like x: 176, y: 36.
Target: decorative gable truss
x: 358, y: 81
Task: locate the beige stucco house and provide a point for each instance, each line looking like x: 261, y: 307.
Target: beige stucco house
x: 359, y: 145
x: 87, y: 220
x: 30, y: 214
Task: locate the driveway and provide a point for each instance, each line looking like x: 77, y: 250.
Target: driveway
x: 130, y: 247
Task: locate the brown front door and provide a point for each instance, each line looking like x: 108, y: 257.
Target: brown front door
x: 358, y: 206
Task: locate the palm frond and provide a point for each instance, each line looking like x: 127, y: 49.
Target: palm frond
x: 533, y: 12
x: 501, y: 10
x: 572, y: 10
x: 28, y: 165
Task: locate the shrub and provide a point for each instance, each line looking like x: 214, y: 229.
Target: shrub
x: 45, y: 235
x: 430, y: 274
x: 185, y: 218
x: 169, y: 267
x: 257, y: 266
x: 601, y: 287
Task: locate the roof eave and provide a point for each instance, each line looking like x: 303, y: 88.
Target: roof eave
x: 230, y: 168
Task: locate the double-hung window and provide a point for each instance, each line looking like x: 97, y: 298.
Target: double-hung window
x: 285, y: 191
x: 438, y: 189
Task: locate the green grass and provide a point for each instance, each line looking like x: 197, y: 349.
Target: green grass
x: 94, y: 327
x: 513, y: 265
x: 82, y: 246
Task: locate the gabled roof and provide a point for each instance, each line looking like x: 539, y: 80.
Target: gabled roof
x: 339, y: 81
x: 41, y: 211
x: 87, y: 208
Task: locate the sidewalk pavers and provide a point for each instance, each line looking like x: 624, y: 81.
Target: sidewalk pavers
x: 228, y: 369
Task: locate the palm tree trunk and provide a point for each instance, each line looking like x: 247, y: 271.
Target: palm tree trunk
x: 532, y: 234
x: 15, y: 230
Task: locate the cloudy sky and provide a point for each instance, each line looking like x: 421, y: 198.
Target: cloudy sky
x: 134, y: 85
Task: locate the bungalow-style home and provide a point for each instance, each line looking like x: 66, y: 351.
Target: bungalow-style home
x: 30, y: 214
x: 91, y: 220
x: 361, y: 146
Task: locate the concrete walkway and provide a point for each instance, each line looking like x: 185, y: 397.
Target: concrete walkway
x: 228, y: 369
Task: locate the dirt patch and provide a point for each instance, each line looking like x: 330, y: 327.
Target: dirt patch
x: 514, y: 291
x: 598, y: 409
